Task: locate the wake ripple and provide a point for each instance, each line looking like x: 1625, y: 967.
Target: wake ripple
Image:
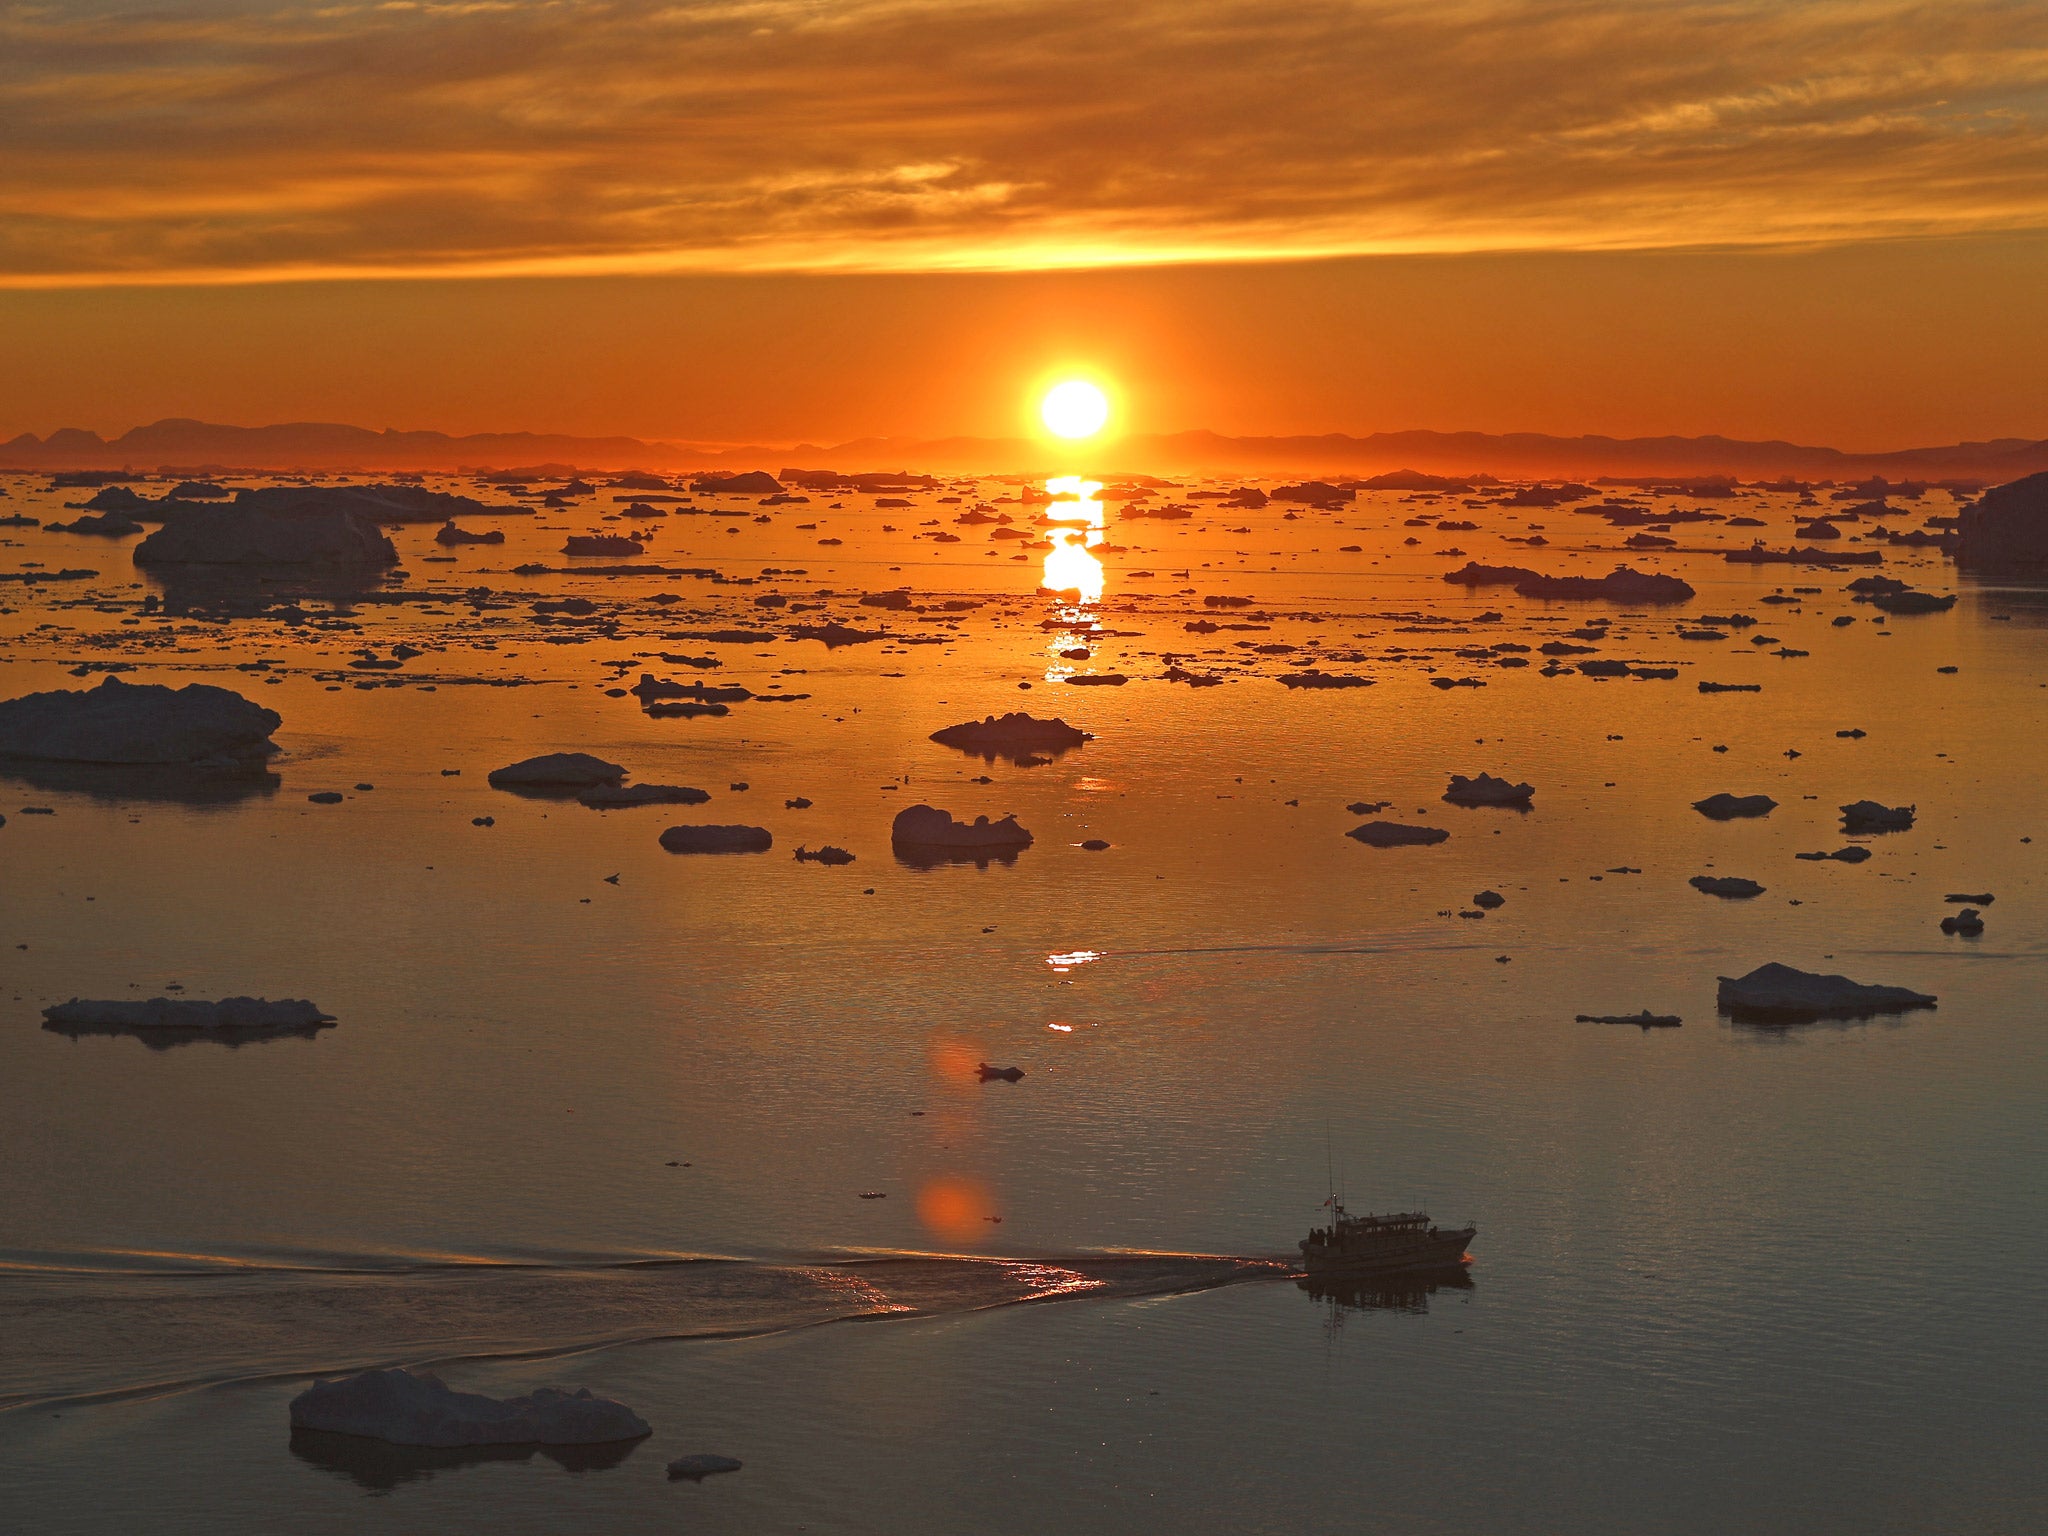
x: 81, y: 1335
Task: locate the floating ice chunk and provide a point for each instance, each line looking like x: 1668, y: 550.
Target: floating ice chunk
x: 189, y: 1013
x: 717, y: 839
x: 1487, y: 790
x: 1725, y: 885
x: 557, y: 770
x: 1394, y: 834
x: 1788, y: 993
x: 121, y: 722
x: 1725, y: 807
x: 926, y: 826
x: 701, y: 1466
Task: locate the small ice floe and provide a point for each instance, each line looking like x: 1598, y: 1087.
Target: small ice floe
x: 449, y: 534
x: 1487, y: 790
x: 1726, y: 807
x: 989, y: 1074
x: 1489, y: 900
x: 926, y: 826
x: 241, y: 1015
x: 418, y: 1408
x: 614, y: 797
x: 697, y: 1468
x: 1645, y: 1019
x: 1869, y: 816
x: 1394, y: 834
x: 1849, y: 855
x: 1780, y: 991
x: 825, y: 855
x: 602, y: 544
x: 1967, y: 923
x: 1906, y: 604
x: 1725, y: 885
x: 1313, y: 678
x: 1008, y: 735
x: 557, y: 770
x: 717, y: 839
x: 110, y: 525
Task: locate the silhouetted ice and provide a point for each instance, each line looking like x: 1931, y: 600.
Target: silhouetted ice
x: 1726, y: 807
x: 182, y: 1013
x: 1869, y: 816
x: 1394, y: 834
x: 717, y: 839
x: 701, y: 1466
x: 2007, y: 528
x: 557, y: 770
x: 926, y: 826
x: 1622, y: 584
x: 1487, y: 790
x: 255, y: 535
x: 1725, y: 885
x: 1780, y: 991
x: 612, y: 797
x: 144, y: 723
x: 1012, y: 735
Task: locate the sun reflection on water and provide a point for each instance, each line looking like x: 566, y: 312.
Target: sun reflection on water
x: 1077, y: 523
x: 1043, y: 1280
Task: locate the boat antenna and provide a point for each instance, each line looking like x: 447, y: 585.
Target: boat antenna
x: 1329, y: 1172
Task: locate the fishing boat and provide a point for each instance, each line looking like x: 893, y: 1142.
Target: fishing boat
x: 1380, y: 1245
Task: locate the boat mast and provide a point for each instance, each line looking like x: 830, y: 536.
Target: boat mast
x: 1330, y: 1175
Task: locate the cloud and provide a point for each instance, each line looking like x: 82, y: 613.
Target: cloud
x: 238, y: 140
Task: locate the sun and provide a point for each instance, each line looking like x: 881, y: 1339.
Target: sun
x: 1074, y: 409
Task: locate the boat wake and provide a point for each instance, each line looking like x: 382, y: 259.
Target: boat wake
x: 143, y: 1327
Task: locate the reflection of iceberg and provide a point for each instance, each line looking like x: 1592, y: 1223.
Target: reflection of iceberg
x: 1015, y: 736
x: 1384, y: 1293
x: 381, y: 1466
x: 183, y: 783
x: 230, y: 1035
x: 251, y: 589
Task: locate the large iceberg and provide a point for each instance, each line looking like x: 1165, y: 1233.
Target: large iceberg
x: 1781, y: 991
x: 247, y: 533
x: 121, y: 722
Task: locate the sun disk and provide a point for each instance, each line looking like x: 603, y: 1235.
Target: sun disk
x: 1074, y: 409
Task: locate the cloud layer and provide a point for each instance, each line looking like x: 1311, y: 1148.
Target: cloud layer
x: 222, y: 141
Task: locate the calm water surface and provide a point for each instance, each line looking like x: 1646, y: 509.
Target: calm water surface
x: 617, y: 1133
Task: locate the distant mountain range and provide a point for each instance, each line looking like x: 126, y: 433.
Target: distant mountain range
x: 191, y: 446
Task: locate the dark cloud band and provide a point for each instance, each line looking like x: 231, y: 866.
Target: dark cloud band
x: 236, y: 140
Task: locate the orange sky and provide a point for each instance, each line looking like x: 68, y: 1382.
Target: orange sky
x: 789, y: 219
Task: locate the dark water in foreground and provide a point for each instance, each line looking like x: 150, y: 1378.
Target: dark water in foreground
x: 1726, y: 1278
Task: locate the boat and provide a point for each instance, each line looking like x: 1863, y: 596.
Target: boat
x: 1379, y: 1245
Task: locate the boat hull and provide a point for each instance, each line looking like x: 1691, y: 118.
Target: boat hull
x: 1439, y: 1250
